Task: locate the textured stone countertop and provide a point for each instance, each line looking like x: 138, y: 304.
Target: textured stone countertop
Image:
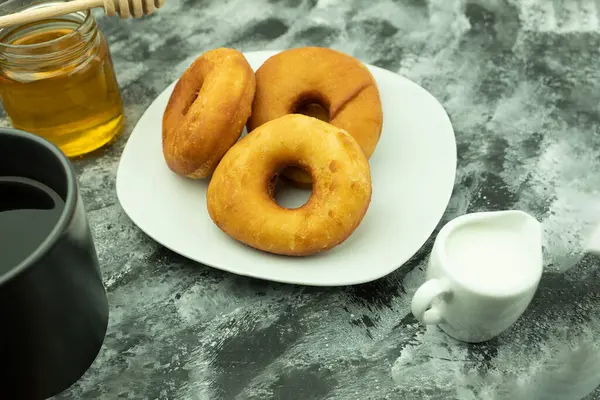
x: 520, y: 81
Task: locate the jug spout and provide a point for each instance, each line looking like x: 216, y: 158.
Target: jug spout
x: 530, y: 227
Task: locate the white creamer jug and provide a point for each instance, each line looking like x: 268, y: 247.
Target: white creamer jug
x: 483, y: 272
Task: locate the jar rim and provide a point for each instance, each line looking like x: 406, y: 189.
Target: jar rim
x: 87, y: 20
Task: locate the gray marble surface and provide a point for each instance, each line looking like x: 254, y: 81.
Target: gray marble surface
x: 521, y: 83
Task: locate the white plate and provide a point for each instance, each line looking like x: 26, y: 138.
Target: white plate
x: 413, y: 170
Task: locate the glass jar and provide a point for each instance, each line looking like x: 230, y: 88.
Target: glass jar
x: 57, y: 81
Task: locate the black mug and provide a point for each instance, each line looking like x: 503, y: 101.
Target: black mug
x: 53, y: 304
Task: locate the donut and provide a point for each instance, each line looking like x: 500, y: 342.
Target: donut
x: 240, y: 196
x: 297, y: 80
x: 207, y: 111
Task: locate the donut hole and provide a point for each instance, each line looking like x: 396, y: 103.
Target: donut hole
x: 286, y: 194
x: 313, y: 106
x: 190, y: 101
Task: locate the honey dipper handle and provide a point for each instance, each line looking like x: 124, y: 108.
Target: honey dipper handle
x: 38, y: 14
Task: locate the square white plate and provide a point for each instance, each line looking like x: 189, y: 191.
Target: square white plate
x: 413, y: 171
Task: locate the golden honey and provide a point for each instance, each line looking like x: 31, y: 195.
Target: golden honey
x: 57, y: 81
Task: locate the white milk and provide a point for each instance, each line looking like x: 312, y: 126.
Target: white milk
x: 493, y: 255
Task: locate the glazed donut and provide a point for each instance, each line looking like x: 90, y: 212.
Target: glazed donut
x: 207, y: 111
x: 289, y: 81
x: 240, y: 196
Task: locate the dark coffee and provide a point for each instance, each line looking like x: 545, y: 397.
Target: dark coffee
x: 29, y: 210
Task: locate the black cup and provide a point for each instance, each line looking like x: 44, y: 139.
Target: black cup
x: 53, y: 306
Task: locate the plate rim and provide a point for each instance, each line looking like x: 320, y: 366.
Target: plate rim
x: 250, y: 272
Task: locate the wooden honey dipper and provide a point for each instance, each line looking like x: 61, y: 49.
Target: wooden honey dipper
x: 125, y: 9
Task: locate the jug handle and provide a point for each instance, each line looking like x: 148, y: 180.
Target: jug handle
x: 422, y: 301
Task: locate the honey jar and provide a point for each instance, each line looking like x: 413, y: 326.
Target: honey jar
x: 57, y: 81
